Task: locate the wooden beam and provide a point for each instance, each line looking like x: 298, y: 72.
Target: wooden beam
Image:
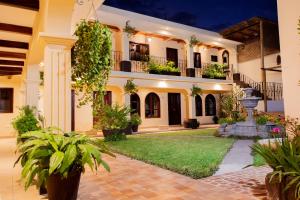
x: 16, y: 29
x: 11, y: 62
x: 14, y: 44
x: 25, y: 4
x: 6, y: 54
x: 9, y: 73
x: 10, y: 69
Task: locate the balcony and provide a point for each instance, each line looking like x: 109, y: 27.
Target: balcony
x: 205, y: 71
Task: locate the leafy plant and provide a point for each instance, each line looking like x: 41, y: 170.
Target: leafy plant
x: 195, y: 90
x: 135, y: 119
x: 130, y: 30
x: 230, y: 105
x: 114, y: 117
x: 227, y: 120
x: 153, y: 67
x: 194, y: 41
x: 283, y: 157
x: 214, y: 71
x: 26, y: 120
x: 91, y: 59
x: 130, y: 87
x: 46, y: 152
x: 261, y: 120
x: 115, y: 137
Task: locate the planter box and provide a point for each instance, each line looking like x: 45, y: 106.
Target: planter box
x: 275, y: 189
x: 190, y: 72
x: 165, y: 73
x: 191, y: 123
x: 127, y: 131
x: 125, y: 66
x: 219, y: 78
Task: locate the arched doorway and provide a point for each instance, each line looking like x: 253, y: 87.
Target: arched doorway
x: 210, y: 105
x: 152, y: 106
x: 135, y: 104
x: 225, y: 58
x: 198, y: 105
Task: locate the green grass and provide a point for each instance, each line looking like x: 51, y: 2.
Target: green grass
x: 194, y: 153
x: 258, y: 160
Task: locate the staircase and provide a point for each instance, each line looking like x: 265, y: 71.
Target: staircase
x: 274, y: 90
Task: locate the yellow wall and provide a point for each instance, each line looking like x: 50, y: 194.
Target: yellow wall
x: 6, y: 129
x: 288, y: 13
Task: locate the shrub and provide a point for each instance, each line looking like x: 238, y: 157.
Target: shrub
x: 26, y: 120
x: 262, y: 120
x: 114, y: 117
x: 45, y: 152
x: 115, y: 137
x: 226, y: 120
x: 214, y: 71
x: 135, y: 119
x: 159, y: 68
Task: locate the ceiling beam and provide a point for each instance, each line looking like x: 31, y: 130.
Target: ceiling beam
x: 3, y: 73
x: 25, y: 4
x: 6, y: 54
x: 11, y: 62
x: 16, y: 29
x: 14, y: 44
x: 10, y: 69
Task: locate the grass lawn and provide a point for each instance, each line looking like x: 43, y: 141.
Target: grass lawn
x: 194, y: 153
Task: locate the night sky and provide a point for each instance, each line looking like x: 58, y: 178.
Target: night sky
x: 213, y: 15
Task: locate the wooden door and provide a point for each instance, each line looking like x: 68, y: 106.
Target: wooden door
x: 172, y: 55
x: 174, y: 108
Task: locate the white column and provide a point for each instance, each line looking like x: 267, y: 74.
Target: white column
x: 125, y: 46
x: 192, y: 107
x: 190, y: 56
x: 127, y: 100
x: 57, y: 86
x: 32, y: 84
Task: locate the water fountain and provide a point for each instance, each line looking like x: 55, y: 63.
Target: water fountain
x: 248, y: 128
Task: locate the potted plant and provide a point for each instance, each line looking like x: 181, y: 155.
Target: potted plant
x: 130, y: 30
x: 282, y: 155
x: 114, y: 122
x: 214, y: 71
x: 168, y: 69
x: 58, y: 159
x: 194, y: 41
x: 135, y: 122
x: 130, y: 87
x: 195, y: 90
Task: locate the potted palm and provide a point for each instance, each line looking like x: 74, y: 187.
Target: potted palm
x: 57, y: 160
x: 135, y: 122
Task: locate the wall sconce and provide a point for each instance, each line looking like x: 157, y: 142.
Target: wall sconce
x: 149, y: 39
x: 217, y: 87
x: 162, y: 84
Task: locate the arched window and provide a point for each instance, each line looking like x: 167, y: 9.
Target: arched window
x: 210, y: 105
x: 225, y: 58
x: 152, y: 106
x: 135, y: 104
x: 198, y: 103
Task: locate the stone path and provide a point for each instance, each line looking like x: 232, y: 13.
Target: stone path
x: 237, y: 158
x: 135, y: 180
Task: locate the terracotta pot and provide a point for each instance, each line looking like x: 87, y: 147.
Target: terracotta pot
x: 60, y: 188
x: 135, y: 128
x: 276, y: 189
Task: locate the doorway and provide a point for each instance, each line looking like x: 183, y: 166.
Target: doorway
x: 174, y: 108
x: 172, y: 55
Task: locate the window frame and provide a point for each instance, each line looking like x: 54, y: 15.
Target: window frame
x: 137, y: 56
x: 214, y: 58
x: 197, y: 106
x: 151, y: 105
x: 209, y: 112
x: 11, y: 100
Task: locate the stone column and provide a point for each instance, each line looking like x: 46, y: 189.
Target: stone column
x: 125, y: 46
x: 32, y: 83
x: 192, y: 107
x: 57, y: 82
x: 190, y: 56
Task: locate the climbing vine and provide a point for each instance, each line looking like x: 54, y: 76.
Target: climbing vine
x: 91, y: 60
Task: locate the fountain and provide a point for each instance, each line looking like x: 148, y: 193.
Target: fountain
x: 248, y: 128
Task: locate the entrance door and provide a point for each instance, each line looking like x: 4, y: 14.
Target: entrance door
x: 72, y: 110
x: 174, y: 106
x: 172, y: 55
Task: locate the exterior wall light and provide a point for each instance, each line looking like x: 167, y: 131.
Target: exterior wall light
x: 217, y: 87
x: 162, y: 84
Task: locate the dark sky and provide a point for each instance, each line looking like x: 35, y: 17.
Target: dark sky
x: 213, y: 15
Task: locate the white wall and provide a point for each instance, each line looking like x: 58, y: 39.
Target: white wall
x: 6, y: 129
x: 288, y: 14
x: 252, y: 69
x: 273, y: 106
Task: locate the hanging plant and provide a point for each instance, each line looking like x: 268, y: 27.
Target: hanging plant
x: 194, y: 41
x: 195, y: 90
x: 130, y: 30
x: 130, y: 87
x: 91, y: 60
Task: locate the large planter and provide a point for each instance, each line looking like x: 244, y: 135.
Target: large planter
x: 191, y: 123
x: 219, y: 78
x: 125, y: 66
x: 164, y: 73
x: 135, y: 128
x: 190, y: 72
x: 60, y: 188
x: 275, y: 189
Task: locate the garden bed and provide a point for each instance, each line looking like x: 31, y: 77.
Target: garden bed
x: 194, y: 153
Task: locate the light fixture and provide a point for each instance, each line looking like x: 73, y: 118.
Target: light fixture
x: 42, y: 64
x: 162, y: 84
x: 149, y: 39
x: 217, y: 87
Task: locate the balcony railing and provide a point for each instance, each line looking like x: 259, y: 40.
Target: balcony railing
x: 141, y: 66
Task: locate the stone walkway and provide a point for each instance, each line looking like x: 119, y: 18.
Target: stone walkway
x: 135, y: 180
x: 237, y: 158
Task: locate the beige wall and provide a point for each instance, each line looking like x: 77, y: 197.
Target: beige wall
x: 6, y: 129
x: 252, y: 69
x: 288, y: 13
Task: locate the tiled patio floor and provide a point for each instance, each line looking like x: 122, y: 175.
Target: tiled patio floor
x: 135, y: 180
x: 132, y: 179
